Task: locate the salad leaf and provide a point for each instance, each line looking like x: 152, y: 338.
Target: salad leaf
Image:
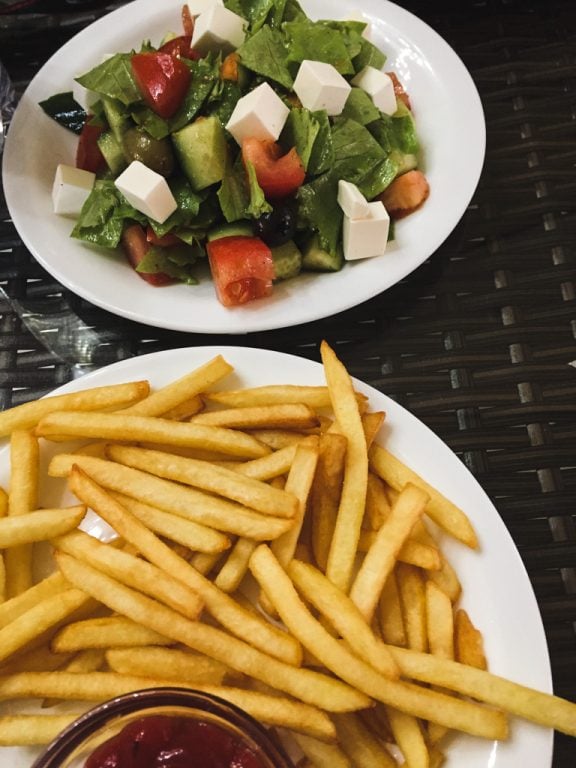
x: 369, y: 55
x: 240, y: 195
x: 378, y: 178
x: 300, y: 131
x: 103, y: 214
x: 156, y: 126
x: 293, y: 11
x: 360, y: 107
x: 113, y: 78
x: 265, y: 53
x: 255, y: 11
x: 176, y: 261
x: 223, y: 99
x: 350, y: 32
x: 396, y: 132
x: 322, y: 155
x: 188, y: 202
x: 205, y: 75
x: 356, y: 151
x: 258, y: 203
x: 307, y: 39
x: 63, y: 108
x: 319, y: 211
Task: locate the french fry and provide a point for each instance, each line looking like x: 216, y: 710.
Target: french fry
x: 298, y: 485
x: 236, y: 565
x: 343, y: 614
x: 409, y: 737
x: 514, y: 698
x: 32, y: 730
x: 411, y: 552
x: 172, y: 395
x: 275, y: 464
x: 27, y: 415
x: 46, y: 615
x: 16, y: 606
x: 446, y: 514
x: 353, y: 498
x: 359, y: 743
x: 291, y: 416
x: 65, y: 425
x: 175, y: 664
x: 380, y: 558
x: 276, y: 439
x: 2, y: 579
x: 440, y: 630
x: 105, y: 632
x: 204, y: 562
x: 310, y: 687
x: 177, y: 529
x: 187, y: 502
x: 325, y: 494
x: 39, y: 525
x: 38, y: 658
x: 321, y: 754
x: 390, y: 619
x: 205, y: 475
x: 132, y: 571
x: 413, y: 700
x: 377, y: 505
x: 468, y: 641
x: 185, y: 410
x: 4, y: 502
x: 275, y: 394
x: 411, y: 588
x: 23, y: 498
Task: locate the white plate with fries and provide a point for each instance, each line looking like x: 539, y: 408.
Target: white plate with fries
x: 451, y: 128
x: 496, y: 592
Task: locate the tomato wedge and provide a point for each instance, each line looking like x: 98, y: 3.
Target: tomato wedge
x: 163, y: 80
x: 162, y: 240
x: 136, y: 246
x: 242, y: 269
x: 279, y: 175
x: 88, y: 155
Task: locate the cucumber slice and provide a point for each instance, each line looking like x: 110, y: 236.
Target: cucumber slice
x: 287, y: 260
x: 234, y: 229
x: 316, y: 259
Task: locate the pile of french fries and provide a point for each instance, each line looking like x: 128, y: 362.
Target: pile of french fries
x: 266, y: 549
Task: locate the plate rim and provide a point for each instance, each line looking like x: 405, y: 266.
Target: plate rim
x: 267, y: 314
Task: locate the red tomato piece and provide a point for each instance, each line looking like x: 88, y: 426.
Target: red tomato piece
x: 242, y: 269
x: 162, y: 79
x: 279, y: 175
x: 399, y: 91
x: 136, y: 246
x: 180, y: 47
x: 88, y: 155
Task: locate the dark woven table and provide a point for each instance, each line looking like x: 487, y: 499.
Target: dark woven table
x: 477, y: 343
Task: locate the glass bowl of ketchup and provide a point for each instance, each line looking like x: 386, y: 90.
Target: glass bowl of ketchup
x: 164, y: 728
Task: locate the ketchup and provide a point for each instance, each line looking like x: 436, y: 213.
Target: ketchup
x: 161, y: 741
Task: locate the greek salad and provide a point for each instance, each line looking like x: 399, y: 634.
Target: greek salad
x: 252, y: 138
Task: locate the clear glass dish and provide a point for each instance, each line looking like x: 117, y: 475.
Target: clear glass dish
x: 79, y: 740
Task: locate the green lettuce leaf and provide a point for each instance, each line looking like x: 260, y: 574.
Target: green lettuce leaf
x: 318, y: 210
x: 113, y: 78
x: 300, y: 130
x: 103, y: 215
x: 356, y: 151
x: 322, y: 155
x: 265, y: 53
x: 316, y: 41
x: 360, y: 107
x: 369, y: 55
x: 177, y: 262
x: 205, y: 76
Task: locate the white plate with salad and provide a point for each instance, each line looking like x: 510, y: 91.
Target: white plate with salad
x: 496, y: 590
x: 450, y: 128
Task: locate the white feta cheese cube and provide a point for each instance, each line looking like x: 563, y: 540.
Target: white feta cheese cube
x: 147, y: 191
x: 320, y: 86
x: 352, y: 201
x: 365, y: 238
x: 196, y: 7
x: 71, y: 189
x: 217, y: 28
x: 379, y: 86
x: 260, y: 114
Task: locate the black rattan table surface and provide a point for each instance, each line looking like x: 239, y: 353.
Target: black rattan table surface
x: 479, y: 342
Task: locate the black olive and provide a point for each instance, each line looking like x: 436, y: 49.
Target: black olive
x: 276, y: 227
